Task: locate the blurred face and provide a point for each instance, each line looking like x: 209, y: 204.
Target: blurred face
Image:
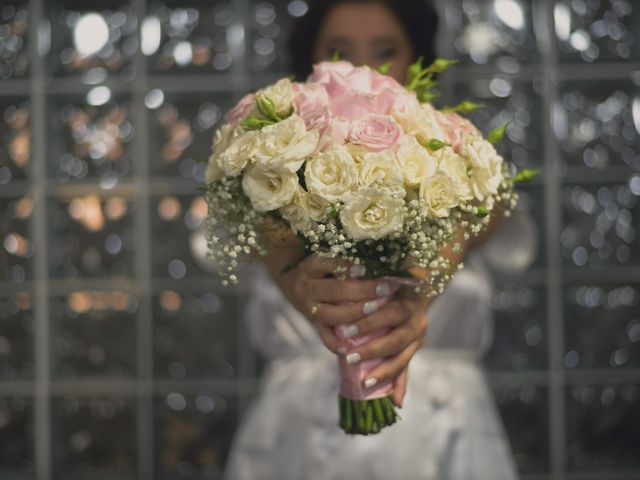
x: 365, y: 34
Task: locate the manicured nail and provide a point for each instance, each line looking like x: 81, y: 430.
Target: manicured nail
x: 358, y: 271
x: 350, y: 331
x: 383, y: 290
x: 342, y: 350
x: 353, y: 358
x: 372, y: 306
x: 370, y: 382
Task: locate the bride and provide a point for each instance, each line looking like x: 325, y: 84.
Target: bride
x: 450, y: 428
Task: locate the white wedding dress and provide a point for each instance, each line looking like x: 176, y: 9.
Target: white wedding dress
x: 449, y: 430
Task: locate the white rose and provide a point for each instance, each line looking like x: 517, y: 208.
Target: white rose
x: 331, y: 175
x: 416, y: 163
x: 221, y: 141
x: 282, y: 96
x: 269, y: 191
x: 485, y: 165
x: 453, y: 166
x: 235, y: 157
x: 419, y: 120
x: 372, y: 214
x: 358, y: 152
x: 284, y: 145
x: 438, y: 196
x: 298, y: 212
x: 380, y: 167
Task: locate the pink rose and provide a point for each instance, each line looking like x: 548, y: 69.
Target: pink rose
x: 456, y: 128
x: 380, y: 83
x: 336, y: 133
x: 323, y: 70
x: 241, y: 110
x: 375, y: 132
x: 312, y: 104
x: 352, y: 105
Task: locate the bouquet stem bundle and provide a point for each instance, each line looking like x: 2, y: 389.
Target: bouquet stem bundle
x: 366, y: 417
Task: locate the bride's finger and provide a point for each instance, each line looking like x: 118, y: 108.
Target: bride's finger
x: 392, y: 314
x: 329, y: 339
x: 400, y: 387
x: 329, y: 314
x: 331, y: 290
x: 391, y: 367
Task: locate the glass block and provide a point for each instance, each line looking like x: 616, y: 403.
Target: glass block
x: 92, y: 237
x: 198, y: 37
x: 16, y: 336
x: 599, y: 226
x: 519, y: 341
x: 181, y: 131
x: 603, y: 428
x: 15, y: 133
x: 93, y: 437
x: 180, y: 245
x: 268, y: 26
x: 16, y: 436
x: 597, y: 124
x: 195, y: 335
x: 524, y: 411
x: 17, y: 249
x: 91, y: 138
x: 493, y: 31
x: 597, y: 31
x: 95, y: 39
x: 93, y: 334
x: 602, y: 326
x: 193, y: 434
x: 14, y: 39
x: 507, y: 101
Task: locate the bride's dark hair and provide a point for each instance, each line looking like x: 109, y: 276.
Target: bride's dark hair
x: 418, y: 17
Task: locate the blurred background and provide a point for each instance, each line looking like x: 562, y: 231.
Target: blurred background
x: 122, y: 357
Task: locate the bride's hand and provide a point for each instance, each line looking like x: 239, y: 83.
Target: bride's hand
x: 328, y: 301
x: 406, y: 314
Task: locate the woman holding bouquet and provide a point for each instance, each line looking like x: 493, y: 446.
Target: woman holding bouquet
x: 450, y: 429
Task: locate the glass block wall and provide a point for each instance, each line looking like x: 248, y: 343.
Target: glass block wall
x: 120, y: 354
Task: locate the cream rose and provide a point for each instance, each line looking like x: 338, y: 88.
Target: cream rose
x: 372, y: 214
x: 221, y: 141
x: 485, y: 165
x: 438, y: 196
x: 282, y: 95
x: 284, y: 145
x: 454, y: 167
x: 236, y: 156
x: 416, y: 163
x: 269, y: 191
x: 298, y: 212
x: 419, y: 120
x: 331, y: 175
x: 380, y: 167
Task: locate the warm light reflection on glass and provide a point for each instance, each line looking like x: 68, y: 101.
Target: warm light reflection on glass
x: 14, y: 28
x: 85, y: 301
x: 169, y: 208
x: 88, y: 212
x: 170, y: 301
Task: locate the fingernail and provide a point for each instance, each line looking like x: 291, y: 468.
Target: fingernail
x: 358, y: 271
x: 342, y: 350
x: 371, y: 307
x: 383, y: 290
x: 370, y: 382
x: 350, y: 331
x: 353, y: 358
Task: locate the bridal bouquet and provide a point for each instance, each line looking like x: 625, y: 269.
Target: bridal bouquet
x: 352, y: 164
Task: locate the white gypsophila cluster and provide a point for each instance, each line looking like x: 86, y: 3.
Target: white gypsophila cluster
x: 391, y: 194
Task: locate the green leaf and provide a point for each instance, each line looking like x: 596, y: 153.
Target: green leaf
x: 385, y: 69
x: 482, y: 211
x: 497, y: 134
x: 434, y: 145
x: 427, y: 96
x: 464, y: 107
x: 336, y: 55
x: 439, y: 65
x: 413, y: 71
x: 255, y: 122
x: 525, y: 175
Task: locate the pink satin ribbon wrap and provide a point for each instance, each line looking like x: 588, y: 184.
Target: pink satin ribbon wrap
x: 352, y: 377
